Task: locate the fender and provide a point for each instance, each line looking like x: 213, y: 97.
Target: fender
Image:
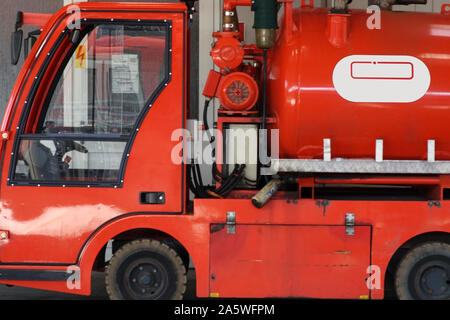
x: 192, y: 235
x: 383, y: 253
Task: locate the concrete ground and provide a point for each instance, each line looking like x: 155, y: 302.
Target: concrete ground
x: 98, y: 291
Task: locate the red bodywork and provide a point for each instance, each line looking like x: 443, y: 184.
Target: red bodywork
x: 291, y: 247
x: 35, y: 19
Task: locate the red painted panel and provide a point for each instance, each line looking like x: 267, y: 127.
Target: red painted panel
x: 290, y: 261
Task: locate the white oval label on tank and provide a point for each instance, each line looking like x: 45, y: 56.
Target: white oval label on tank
x: 377, y: 78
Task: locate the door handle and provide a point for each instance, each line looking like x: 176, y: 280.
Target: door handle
x: 152, y: 198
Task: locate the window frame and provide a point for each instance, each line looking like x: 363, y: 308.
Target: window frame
x: 90, y: 24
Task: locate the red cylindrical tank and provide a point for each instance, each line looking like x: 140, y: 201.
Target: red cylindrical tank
x: 333, y: 77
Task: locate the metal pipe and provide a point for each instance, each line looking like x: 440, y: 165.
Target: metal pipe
x: 266, y: 193
x: 288, y: 21
x: 265, y: 38
x: 264, y: 98
x: 229, y: 5
x: 230, y: 20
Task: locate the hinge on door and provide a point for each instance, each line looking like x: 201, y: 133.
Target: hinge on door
x: 231, y: 222
x: 349, y: 224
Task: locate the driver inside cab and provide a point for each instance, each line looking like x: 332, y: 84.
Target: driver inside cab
x: 42, y: 163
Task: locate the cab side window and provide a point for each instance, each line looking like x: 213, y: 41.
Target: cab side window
x: 81, y: 131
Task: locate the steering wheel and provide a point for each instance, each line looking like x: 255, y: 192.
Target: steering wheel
x: 63, y: 146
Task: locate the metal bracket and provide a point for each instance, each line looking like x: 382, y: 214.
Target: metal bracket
x: 379, y: 150
x: 326, y: 149
x: 436, y: 204
x: 231, y: 222
x: 349, y: 224
x: 431, y: 152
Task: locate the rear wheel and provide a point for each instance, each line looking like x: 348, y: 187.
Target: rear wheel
x: 145, y: 270
x: 424, y: 273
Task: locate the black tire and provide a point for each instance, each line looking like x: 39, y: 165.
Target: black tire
x: 145, y: 270
x: 184, y: 255
x: 117, y: 244
x: 424, y: 273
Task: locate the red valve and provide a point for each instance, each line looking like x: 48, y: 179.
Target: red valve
x: 227, y: 52
x: 445, y: 9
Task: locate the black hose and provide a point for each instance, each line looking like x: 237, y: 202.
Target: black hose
x: 229, y: 180
x: 197, y: 186
x: 238, y: 169
x: 264, y: 102
x: 235, y: 179
x: 205, y: 120
x: 200, y: 180
x: 194, y: 177
x: 264, y: 110
x: 228, y: 183
x: 218, y: 176
x: 191, y: 185
x: 202, y: 188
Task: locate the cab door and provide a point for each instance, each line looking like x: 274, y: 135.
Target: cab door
x: 92, y: 130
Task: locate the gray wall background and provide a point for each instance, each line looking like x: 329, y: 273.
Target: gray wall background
x: 9, y: 8
x: 9, y: 73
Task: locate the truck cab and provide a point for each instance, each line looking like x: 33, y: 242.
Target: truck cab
x: 95, y: 173
x: 92, y: 113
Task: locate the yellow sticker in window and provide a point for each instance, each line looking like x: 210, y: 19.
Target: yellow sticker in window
x: 80, y: 57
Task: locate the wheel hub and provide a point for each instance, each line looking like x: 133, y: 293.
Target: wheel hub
x: 145, y: 279
x: 433, y: 280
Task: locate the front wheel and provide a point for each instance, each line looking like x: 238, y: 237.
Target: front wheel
x: 424, y: 273
x: 145, y: 270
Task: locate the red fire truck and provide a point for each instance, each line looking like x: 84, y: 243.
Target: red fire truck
x: 352, y: 202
